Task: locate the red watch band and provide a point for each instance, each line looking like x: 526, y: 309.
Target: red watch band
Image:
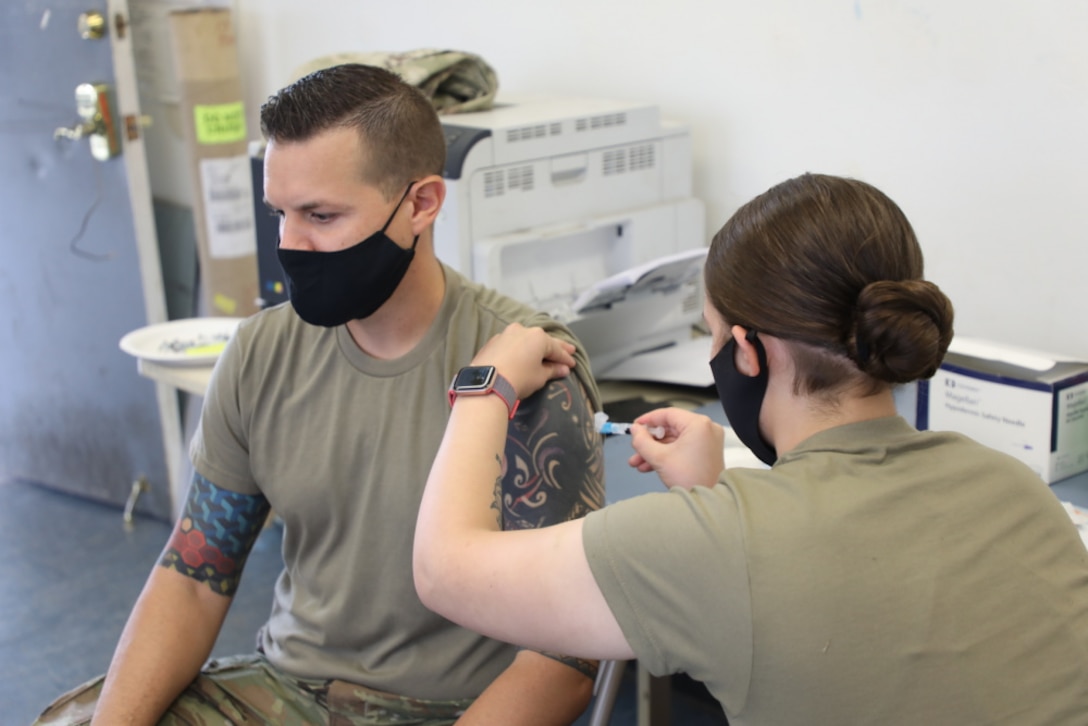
x: 482, y: 380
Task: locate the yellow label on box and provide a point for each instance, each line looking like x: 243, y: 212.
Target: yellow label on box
x: 222, y: 123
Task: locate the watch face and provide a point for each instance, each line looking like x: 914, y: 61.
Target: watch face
x: 474, y: 378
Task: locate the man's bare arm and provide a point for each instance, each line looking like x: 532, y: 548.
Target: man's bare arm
x: 177, y: 617
x: 534, y: 690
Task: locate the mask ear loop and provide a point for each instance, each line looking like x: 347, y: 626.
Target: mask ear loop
x: 761, y: 352
x: 396, y: 209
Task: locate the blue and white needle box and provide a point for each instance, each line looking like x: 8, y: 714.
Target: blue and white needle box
x: 1026, y: 403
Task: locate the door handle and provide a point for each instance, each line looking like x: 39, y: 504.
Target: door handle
x: 94, y: 104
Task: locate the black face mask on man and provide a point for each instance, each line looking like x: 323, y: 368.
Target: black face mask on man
x: 331, y: 288
x: 742, y: 396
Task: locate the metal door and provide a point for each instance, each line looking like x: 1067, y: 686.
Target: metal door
x: 79, y: 263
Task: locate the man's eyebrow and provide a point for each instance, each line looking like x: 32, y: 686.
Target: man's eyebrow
x: 307, y: 207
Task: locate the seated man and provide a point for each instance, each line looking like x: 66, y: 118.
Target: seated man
x: 329, y: 411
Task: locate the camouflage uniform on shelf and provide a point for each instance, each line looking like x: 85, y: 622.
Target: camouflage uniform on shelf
x: 454, y: 81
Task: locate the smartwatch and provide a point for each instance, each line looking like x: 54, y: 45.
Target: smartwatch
x: 482, y: 380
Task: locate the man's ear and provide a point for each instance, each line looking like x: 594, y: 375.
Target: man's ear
x: 427, y: 197
x: 745, y: 356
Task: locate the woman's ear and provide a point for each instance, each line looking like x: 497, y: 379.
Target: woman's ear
x: 745, y: 356
x: 427, y: 197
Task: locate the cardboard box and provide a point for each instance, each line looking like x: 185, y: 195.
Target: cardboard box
x: 214, y: 125
x: 1029, y: 404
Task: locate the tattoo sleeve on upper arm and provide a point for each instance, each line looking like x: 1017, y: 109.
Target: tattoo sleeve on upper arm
x: 215, y: 534
x: 553, y: 468
x: 554, y: 463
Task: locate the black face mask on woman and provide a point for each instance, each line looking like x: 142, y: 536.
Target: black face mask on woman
x: 331, y: 288
x: 742, y: 396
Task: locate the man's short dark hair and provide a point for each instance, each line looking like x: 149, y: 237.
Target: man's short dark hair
x: 398, y: 126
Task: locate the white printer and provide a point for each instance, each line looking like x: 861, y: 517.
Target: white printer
x: 549, y: 197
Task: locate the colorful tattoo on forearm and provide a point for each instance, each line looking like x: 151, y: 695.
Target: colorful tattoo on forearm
x: 215, y: 534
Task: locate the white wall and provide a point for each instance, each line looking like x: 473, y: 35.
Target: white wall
x: 971, y: 114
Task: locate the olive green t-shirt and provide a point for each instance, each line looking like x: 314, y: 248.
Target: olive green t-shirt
x: 341, y: 444
x: 874, y: 575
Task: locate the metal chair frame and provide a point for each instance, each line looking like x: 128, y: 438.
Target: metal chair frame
x: 605, y: 689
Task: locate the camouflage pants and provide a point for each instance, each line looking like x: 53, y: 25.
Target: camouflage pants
x: 247, y: 690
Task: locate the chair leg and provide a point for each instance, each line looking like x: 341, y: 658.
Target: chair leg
x: 606, y: 688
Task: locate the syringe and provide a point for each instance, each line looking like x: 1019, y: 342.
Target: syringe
x: 606, y: 427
